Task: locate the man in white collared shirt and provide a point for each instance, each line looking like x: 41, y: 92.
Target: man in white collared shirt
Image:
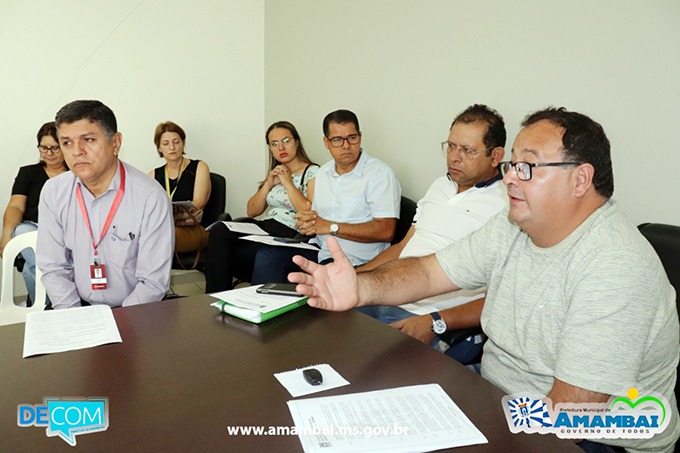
x: 356, y: 199
x: 456, y: 204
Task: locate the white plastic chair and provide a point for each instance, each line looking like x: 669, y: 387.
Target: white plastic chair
x: 10, y: 313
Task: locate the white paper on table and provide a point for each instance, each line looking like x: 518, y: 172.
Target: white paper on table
x: 297, y: 385
x: 66, y: 330
x: 270, y: 240
x: 242, y: 227
x: 405, y: 419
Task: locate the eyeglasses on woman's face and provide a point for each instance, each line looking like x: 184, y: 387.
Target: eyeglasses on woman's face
x: 285, y: 141
x: 49, y: 149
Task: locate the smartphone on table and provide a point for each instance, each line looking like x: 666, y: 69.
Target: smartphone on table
x: 283, y: 289
x: 288, y: 240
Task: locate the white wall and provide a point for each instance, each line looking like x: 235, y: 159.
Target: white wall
x: 408, y: 67
x: 405, y: 67
x: 199, y: 63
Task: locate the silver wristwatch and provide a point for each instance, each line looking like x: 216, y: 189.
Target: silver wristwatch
x: 334, y: 229
x: 438, y: 324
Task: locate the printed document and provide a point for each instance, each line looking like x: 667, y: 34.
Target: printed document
x: 242, y: 227
x: 66, y: 330
x: 405, y: 419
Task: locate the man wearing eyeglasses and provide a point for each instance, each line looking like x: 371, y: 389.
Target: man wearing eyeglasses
x: 356, y: 200
x: 455, y: 205
x: 578, y: 305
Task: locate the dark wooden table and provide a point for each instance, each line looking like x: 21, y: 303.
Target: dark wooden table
x: 184, y: 372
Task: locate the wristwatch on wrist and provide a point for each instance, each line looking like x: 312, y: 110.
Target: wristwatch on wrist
x: 334, y: 229
x: 438, y: 324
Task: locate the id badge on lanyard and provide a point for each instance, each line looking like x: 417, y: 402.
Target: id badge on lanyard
x: 98, y: 276
x: 98, y: 270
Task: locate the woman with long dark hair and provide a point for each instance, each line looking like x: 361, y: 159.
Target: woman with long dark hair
x: 287, y: 189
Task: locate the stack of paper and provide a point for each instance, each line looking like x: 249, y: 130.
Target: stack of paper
x: 279, y: 242
x: 256, y: 234
x: 400, y: 420
x: 247, y: 304
x: 241, y: 227
x: 67, y: 330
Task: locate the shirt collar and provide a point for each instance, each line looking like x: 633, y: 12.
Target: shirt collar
x: 115, y: 182
x: 358, y: 168
x: 481, y: 184
x: 490, y: 181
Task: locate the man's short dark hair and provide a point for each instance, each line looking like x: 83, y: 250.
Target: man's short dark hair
x: 583, y: 141
x: 93, y: 111
x: 495, y: 126
x: 340, y: 117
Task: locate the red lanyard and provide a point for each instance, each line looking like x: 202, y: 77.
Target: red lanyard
x: 112, y: 211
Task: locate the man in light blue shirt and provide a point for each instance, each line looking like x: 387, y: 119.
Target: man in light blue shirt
x: 106, y: 232
x: 356, y: 199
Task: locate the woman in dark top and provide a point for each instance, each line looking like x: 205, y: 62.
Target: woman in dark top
x: 184, y: 180
x: 21, y: 215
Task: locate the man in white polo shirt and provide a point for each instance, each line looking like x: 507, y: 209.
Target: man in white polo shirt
x: 455, y: 205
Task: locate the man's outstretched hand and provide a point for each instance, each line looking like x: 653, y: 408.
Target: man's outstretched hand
x: 334, y: 286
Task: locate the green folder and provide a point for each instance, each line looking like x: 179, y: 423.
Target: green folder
x: 255, y: 316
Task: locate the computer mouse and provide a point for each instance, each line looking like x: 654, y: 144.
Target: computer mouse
x: 313, y: 376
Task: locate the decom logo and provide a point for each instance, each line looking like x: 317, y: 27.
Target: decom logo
x: 631, y: 417
x: 66, y: 417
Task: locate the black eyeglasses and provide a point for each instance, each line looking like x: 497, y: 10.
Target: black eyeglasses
x: 337, y: 142
x: 47, y: 149
x: 523, y: 169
